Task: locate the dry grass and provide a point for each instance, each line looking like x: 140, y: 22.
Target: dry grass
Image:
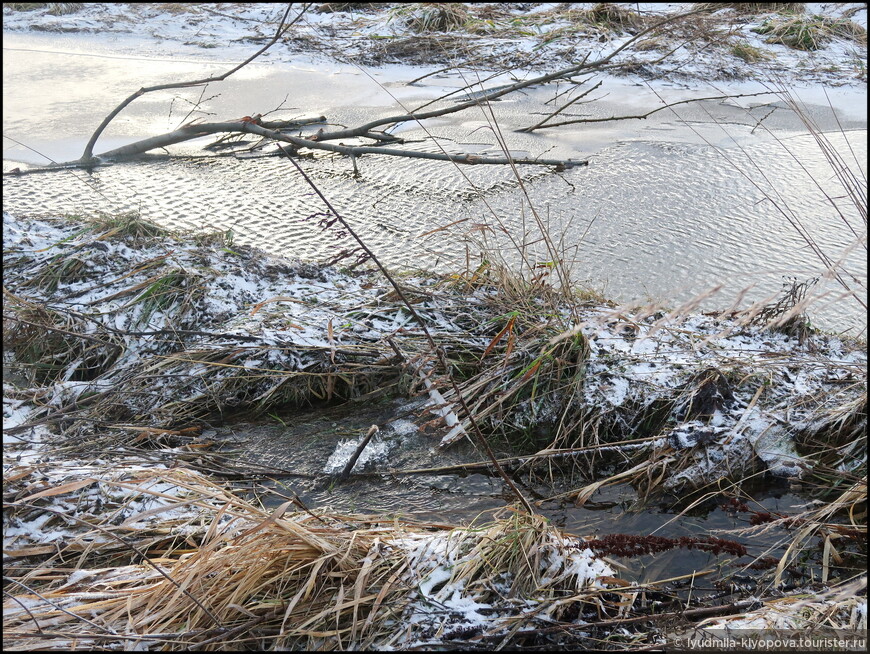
x: 749, y: 53
x: 177, y: 8
x: 423, y: 48
x: 432, y: 16
x: 833, y: 613
x: 331, y: 7
x: 127, y: 225
x: 609, y: 16
x: 240, y: 577
x: 55, y: 345
x: 244, y: 578
x: 753, y: 7
x: 811, y: 32
x: 53, y: 8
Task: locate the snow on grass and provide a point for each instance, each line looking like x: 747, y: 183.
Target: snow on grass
x: 67, y: 497
x: 800, y: 613
x: 57, y: 497
x: 553, y: 33
x: 635, y: 360
x: 244, y: 311
x: 15, y: 411
x: 158, y: 292
x: 452, y: 600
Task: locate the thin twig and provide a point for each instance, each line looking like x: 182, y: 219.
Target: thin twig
x: 560, y: 109
x: 576, y: 121
x: 434, y: 347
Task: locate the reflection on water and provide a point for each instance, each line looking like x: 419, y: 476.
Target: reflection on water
x: 658, y: 220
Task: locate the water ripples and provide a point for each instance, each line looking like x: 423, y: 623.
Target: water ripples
x: 661, y: 220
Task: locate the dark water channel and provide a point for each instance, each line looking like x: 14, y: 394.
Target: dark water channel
x: 301, y: 444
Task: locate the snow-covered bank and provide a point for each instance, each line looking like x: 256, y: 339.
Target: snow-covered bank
x: 125, y: 341
x: 722, y: 45
x: 177, y: 329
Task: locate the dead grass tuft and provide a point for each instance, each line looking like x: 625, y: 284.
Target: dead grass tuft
x: 332, y: 7
x: 125, y: 225
x: 753, y: 7
x: 423, y: 48
x: 611, y: 17
x: 53, y: 8
x: 432, y: 16
x: 54, y: 346
x: 242, y: 575
x: 811, y: 32
x: 749, y: 53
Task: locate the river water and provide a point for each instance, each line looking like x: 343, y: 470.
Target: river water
x: 668, y: 208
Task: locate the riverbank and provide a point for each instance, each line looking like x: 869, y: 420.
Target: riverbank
x: 820, y: 43
x: 136, y: 343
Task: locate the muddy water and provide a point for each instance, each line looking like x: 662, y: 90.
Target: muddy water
x: 301, y: 444
x: 668, y: 208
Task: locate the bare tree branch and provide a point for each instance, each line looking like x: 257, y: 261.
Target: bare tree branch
x: 541, y: 125
x: 197, y: 130
x: 314, y: 143
x: 369, y: 130
x: 87, y: 155
x: 434, y: 349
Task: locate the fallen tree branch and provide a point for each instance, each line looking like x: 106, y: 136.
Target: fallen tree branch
x: 87, y: 155
x: 195, y: 131
x: 351, y: 462
x: 320, y: 141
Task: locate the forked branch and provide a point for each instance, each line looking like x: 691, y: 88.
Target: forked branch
x: 321, y: 141
x: 283, y: 26
x: 315, y: 143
